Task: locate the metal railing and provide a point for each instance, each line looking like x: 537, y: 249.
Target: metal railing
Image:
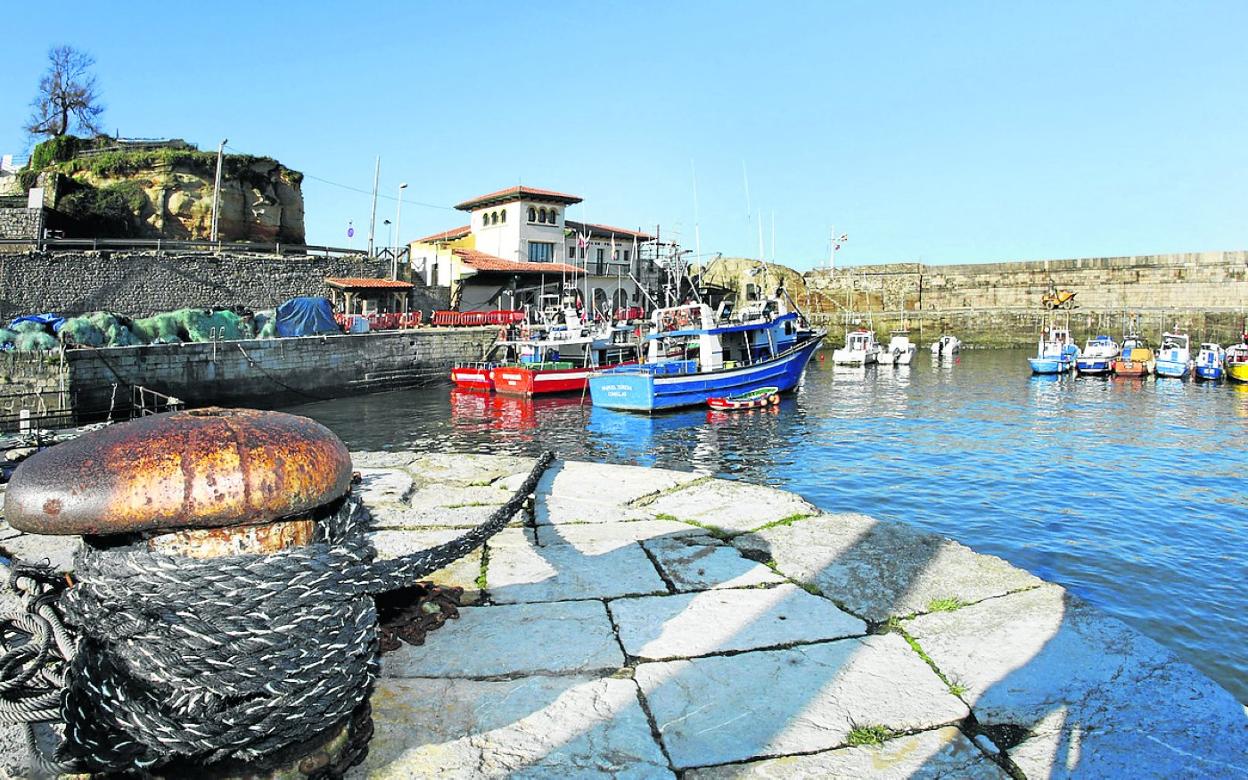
x: 144, y: 401
x: 166, y: 245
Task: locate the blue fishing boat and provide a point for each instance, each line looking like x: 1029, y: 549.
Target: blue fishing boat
x: 1174, y: 359
x: 1209, y: 362
x: 694, y: 354
x: 1056, y: 352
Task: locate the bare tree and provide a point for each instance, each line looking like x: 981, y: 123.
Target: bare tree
x: 67, y: 92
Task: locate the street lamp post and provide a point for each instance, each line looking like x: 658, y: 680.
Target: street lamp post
x: 398, y: 233
x: 216, y: 191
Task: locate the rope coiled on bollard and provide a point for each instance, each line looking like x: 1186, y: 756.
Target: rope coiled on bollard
x: 221, y: 658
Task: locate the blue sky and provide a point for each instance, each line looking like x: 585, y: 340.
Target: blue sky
x: 941, y: 132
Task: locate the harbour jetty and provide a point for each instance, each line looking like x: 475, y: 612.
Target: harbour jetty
x: 639, y: 622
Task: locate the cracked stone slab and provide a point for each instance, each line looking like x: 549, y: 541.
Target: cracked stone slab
x: 560, y: 510
x: 767, y: 702
x: 572, y: 637
x: 877, y: 568
x: 35, y: 548
x: 562, y: 571
x: 702, y: 563
x: 732, y: 506
x: 713, y: 621
x: 608, y: 483
x: 1099, y: 698
x: 468, y: 468
x: 928, y: 755
x: 455, y: 496
x: 388, y: 516
x: 596, y: 536
x: 535, y: 727
x: 384, y: 486
x: 462, y: 573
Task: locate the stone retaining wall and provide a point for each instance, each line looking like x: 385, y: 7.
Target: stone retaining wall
x: 269, y: 371
x: 21, y: 223
x: 36, y: 382
x: 142, y: 283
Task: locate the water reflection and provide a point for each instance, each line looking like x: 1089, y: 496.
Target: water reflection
x: 1127, y: 491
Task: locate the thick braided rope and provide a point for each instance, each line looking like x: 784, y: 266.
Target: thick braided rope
x: 233, y: 657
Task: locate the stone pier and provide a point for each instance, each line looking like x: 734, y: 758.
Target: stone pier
x: 645, y: 623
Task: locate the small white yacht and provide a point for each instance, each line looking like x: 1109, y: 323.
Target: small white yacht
x: 900, y: 350
x: 861, y: 349
x: 946, y: 347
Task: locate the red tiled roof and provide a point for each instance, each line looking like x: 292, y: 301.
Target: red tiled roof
x: 516, y: 193
x: 484, y: 262
x: 446, y: 235
x: 606, y: 230
x: 363, y: 283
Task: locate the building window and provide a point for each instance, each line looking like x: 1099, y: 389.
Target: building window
x: 532, y: 214
x: 541, y: 216
x: 600, y: 254
x: 502, y: 216
x: 554, y: 217
x: 571, y: 252
x: 494, y: 218
x: 541, y: 251
x: 615, y: 256
x: 625, y: 255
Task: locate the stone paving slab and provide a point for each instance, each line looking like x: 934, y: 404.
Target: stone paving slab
x: 877, y: 569
x: 36, y: 548
x: 536, y: 727
x: 384, y: 486
x: 380, y: 459
x: 463, y: 573
x: 560, y: 510
x: 702, y: 563
x: 400, y: 517
x: 572, y: 637
x: 731, y: 506
x: 595, y: 536
x: 467, y: 468
x: 929, y: 755
x: 608, y: 483
x: 455, y: 496
x: 714, y: 621
x: 1100, y: 699
x: 518, y: 573
x: 807, y: 698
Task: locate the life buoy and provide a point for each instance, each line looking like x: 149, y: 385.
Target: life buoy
x: 502, y: 334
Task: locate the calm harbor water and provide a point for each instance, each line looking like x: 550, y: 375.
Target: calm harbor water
x: 1128, y: 492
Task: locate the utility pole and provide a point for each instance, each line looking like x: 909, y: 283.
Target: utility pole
x: 372, y: 219
x: 398, y: 233
x: 216, y: 191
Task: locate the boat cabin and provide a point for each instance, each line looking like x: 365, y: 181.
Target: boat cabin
x: 691, y: 336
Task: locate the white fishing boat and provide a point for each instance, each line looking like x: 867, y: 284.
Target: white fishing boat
x: 861, y: 349
x: 946, y: 347
x: 900, y: 350
x: 1098, y: 356
x: 1174, y: 359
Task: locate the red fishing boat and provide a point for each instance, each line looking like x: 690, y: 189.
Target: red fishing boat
x: 557, y: 362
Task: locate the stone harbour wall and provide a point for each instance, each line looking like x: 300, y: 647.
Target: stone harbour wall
x: 143, y: 283
x: 272, y: 371
x: 21, y: 223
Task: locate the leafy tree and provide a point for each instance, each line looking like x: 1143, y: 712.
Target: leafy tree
x: 67, y: 92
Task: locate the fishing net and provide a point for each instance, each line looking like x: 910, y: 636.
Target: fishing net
x: 81, y: 330
x: 7, y: 337
x: 118, y: 335
x: 157, y: 329
x: 207, y: 325
x: 35, y: 341
x: 266, y: 324
x: 29, y: 327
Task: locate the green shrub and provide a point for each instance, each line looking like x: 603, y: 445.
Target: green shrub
x: 55, y: 150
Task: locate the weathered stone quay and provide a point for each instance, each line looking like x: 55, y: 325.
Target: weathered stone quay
x: 650, y: 623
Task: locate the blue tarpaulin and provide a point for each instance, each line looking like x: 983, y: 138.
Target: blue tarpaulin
x: 55, y: 320
x: 306, y: 316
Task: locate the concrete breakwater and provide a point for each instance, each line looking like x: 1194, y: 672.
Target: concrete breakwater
x: 651, y: 623
x: 272, y: 370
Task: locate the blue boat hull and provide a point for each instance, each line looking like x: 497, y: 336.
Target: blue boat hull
x: 652, y: 390
x: 1169, y: 368
x: 1050, y: 365
x: 1208, y: 372
x: 1094, y: 365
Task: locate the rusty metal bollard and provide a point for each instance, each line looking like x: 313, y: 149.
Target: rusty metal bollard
x: 199, y: 484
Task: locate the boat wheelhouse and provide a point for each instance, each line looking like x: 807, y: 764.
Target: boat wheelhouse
x: 1174, y: 359
x: 1097, y: 357
x: 900, y: 350
x: 1135, y: 359
x: 1209, y: 362
x: 946, y: 347
x: 692, y: 355
x: 861, y: 349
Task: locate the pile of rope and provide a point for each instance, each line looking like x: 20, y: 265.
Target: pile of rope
x: 217, y: 659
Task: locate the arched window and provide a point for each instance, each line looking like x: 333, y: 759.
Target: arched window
x: 554, y: 217
x: 502, y: 216
x: 494, y: 218
x: 541, y: 216
x: 532, y: 214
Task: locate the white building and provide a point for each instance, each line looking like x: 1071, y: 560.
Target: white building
x: 518, y: 242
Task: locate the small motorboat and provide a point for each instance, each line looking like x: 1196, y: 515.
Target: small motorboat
x: 900, y: 350
x: 1056, y: 353
x: 946, y: 347
x: 755, y: 399
x: 1174, y: 359
x: 1097, y: 356
x: 1136, y: 359
x: 861, y: 349
x: 1236, y: 362
x: 1209, y: 362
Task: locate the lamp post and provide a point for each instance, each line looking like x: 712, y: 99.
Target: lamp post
x: 398, y: 233
x: 216, y: 190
